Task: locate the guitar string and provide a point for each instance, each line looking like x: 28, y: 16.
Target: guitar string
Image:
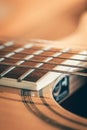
x: 53, y: 56
x: 7, y: 44
x: 17, y: 63
x: 51, y: 63
x: 33, y: 41
x: 29, y: 71
x: 82, y: 74
x: 44, y: 69
x: 51, y: 50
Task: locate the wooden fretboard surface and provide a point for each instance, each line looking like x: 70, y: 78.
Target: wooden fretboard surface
x: 34, y: 66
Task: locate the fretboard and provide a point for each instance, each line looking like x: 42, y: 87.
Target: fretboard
x: 33, y: 66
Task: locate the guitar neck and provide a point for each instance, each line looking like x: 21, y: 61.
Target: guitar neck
x: 34, y: 67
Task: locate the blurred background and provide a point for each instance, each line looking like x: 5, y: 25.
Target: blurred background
x: 48, y: 19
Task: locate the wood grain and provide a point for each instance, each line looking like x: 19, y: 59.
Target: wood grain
x: 64, y: 25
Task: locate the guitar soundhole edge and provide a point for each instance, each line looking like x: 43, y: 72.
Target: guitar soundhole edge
x: 77, y: 103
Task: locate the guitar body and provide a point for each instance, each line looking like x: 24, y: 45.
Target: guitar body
x: 23, y: 108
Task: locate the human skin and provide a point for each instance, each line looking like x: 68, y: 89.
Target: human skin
x: 63, y: 20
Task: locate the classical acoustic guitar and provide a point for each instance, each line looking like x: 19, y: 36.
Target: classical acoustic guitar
x: 36, y: 80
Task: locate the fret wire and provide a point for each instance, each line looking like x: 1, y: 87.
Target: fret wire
x: 24, y: 75
x: 52, y: 63
x: 7, y: 71
x: 49, y: 70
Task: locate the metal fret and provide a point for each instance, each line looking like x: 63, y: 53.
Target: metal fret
x: 18, y: 50
x: 6, y: 71
x: 28, y: 46
x: 9, y: 54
